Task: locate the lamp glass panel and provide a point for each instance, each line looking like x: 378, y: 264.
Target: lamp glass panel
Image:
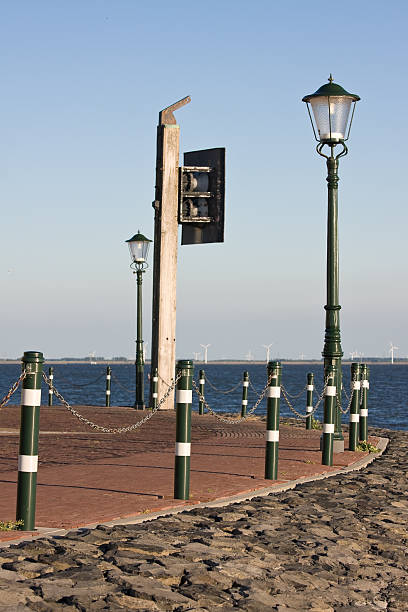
x: 339, y: 108
x: 138, y: 250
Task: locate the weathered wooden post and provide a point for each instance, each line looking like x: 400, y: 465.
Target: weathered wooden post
x: 165, y: 250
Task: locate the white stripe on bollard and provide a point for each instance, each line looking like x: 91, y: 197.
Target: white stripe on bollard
x: 154, y: 395
x: 107, y: 392
x: 274, y: 392
x: 28, y: 463
x: 357, y: 385
x: 354, y: 418
x: 245, y: 402
x: 328, y: 428
x: 272, y: 435
x: 365, y: 384
x: 245, y: 383
x: 309, y: 408
x: 309, y: 387
x: 155, y: 379
x: 331, y: 391
x: 183, y: 449
x: 108, y: 377
x: 202, y: 381
x: 50, y: 391
x: 31, y: 397
x: 364, y: 412
x: 184, y: 396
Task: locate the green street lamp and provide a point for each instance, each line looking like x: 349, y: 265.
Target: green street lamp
x: 331, y: 106
x: 139, y: 248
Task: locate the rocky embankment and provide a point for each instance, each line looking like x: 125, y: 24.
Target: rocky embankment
x: 334, y: 544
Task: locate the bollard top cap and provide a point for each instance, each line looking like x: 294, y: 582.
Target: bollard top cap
x: 185, y: 363
x: 32, y: 357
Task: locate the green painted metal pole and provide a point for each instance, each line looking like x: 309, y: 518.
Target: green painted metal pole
x: 365, y: 385
x: 244, y: 402
x: 155, y: 387
x: 309, y: 399
x: 354, y: 423
x: 50, y: 389
x: 332, y: 351
x: 201, y: 383
x: 183, y: 429
x: 32, y: 364
x: 328, y: 421
x: 274, y: 370
x: 139, y: 403
x: 108, y: 386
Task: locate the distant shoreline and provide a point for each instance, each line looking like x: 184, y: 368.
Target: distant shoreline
x: 107, y: 362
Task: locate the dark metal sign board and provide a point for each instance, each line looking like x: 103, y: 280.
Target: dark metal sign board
x: 202, y: 196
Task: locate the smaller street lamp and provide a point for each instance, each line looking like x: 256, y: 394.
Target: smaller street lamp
x: 331, y: 105
x: 139, y: 248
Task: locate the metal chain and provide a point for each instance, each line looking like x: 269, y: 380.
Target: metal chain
x: 112, y: 430
x: 80, y: 386
x: 162, y: 379
x: 12, y: 390
x: 350, y: 399
x: 308, y: 414
x: 253, y: 388
x: 227, y: 420
x: 219, y: 390
x: 345, y: 393
x: 120, y: 384
x: 298, y: 394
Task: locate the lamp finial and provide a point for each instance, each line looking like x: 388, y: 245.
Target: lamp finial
x: 330, y: 78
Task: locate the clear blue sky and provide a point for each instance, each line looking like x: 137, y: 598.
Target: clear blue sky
x: 82, y: 83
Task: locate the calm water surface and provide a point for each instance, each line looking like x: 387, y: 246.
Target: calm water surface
x: 85, y: 384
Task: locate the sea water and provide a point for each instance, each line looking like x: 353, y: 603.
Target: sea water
x: 85, y: 384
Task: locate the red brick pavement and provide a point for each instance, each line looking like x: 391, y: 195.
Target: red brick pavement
x: 87, y: 477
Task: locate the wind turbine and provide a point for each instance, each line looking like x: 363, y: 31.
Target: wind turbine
x: 196, y: 356
x: 249, y: 356
x: 392, y: 349
x: 205, y: 347
x: 268, y: 347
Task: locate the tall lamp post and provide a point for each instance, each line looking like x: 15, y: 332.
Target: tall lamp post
x: 139, y: 247
x: 331, y: 106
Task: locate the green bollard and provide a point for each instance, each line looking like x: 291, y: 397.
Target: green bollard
x: 355, y: 406
x: 155, y: 386
x: 365, y: 385
x: 309, y: 399
x: 32, y: 364
x: 272, y: 420
x: 201, y: 383
x: 108, y: 386
x: 183, y: 429
x: 245, y: 385
x: 50, y: 389
x: 328, y: 421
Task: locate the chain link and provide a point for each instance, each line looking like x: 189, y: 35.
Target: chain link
x: 240, y: 419
x: 219, y: 390
x: 112, y: 430
x: 80, y: 386
x: 12, y: 390
x: 120, y: 384
x: 298, y: 394
x: 308, y: 414
x: 350, y: 398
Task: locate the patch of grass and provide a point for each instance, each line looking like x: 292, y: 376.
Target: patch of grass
x: 365, y: 447
x: 10, y: 525
x: 316, y: 423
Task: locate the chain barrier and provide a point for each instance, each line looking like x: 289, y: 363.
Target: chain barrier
x: 241, y: 418
x: 80, y: 386
x: 298, y: 394
x: 308, y: 414
x: 345, y: 393
x: 253, y: 388
x: 120, y: 384
x: 219, y: 390
x: 12, y: 390
x: 112, y: 430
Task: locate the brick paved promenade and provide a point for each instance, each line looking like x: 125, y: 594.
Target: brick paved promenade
x: 86, y: 477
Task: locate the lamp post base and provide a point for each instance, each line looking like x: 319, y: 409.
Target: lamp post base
x: 338, y: 445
